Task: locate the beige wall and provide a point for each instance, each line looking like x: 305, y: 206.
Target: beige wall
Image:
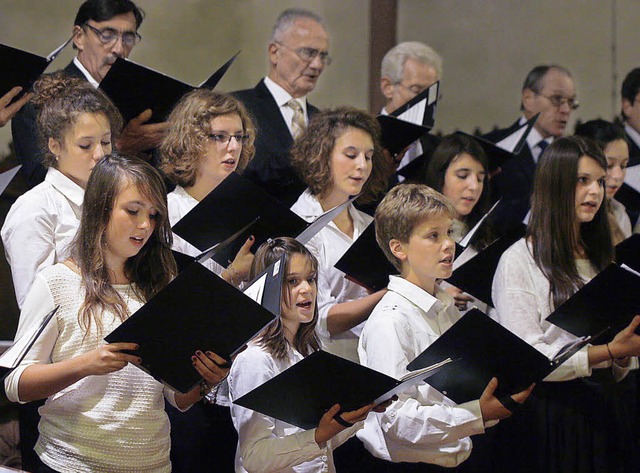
x: 488, y: 46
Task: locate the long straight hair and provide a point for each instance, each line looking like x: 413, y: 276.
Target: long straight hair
x: 552, y: 232
x: 151, y: 269
x: 272, y: 337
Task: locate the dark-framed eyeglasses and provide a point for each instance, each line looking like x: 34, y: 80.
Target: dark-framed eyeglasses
x: 558, y: 101
x: 110, y: 36
x: 309, y: 54
x: 224, y: 138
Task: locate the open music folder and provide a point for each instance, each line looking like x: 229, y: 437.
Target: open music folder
x: 301, y: 394
x: 485, y: 349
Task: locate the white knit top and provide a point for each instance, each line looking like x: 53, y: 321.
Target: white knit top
x: 109, y: 423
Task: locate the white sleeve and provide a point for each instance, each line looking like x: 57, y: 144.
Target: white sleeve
x: 261, y: 449
x: 29, y: 244
x: 420, y: 417
x: 514, y: 295
x: 325, y: 298
x: 38, y: 303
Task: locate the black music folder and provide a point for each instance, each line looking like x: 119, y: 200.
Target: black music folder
x: 196, y: 311
x: 609, y: 301
x: 7, y: 176
x: 22, y: 68
x: 301, y: 394
x: 475, y: 276
x: 628, y: 252
x: 133, y: 88
x: 365, y: 264
x: 410, y: 121
x: 484, y: 349
x: 12, y: 357
x: 235, y: 203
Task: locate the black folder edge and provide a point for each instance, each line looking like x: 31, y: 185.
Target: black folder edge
x: 322, y: 221
x: 449, y: 344
x: 430, y: 94
x: 23, y: 345
x: 628, y: 252
x: 7, y: 176
x: 117, y: 334
x: 266, y: 287
x: 260, y: 398
x: 217, y: 76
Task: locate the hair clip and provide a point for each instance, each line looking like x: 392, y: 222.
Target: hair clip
x: 270, y: 242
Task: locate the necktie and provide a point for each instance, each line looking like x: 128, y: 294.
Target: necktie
x: 543, y: 145
x: 297, y: 123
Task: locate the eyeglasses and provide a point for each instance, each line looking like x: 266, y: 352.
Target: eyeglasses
x: 224, y: 138
x: 309, y: 54
x: 110, y: 36
x: 558, y: 101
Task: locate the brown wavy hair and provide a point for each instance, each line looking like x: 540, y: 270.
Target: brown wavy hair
x: 151, y: 269
x: 552, y: 231
x: 272, y: 337
x: 311, y: 152
x: 446, y: 153
x: 60, y: 100
x: 186, y: 141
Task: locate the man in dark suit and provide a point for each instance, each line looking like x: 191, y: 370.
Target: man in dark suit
x: 103, y: 31
x: 631, y: 113
x: 550, y: 91
x: 298, y: 53
x: 407, y: 70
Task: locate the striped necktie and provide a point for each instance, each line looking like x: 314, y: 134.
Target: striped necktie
x: 297, y: 123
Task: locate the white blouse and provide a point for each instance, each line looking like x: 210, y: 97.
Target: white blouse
x: 266, y: 444
x: 422, y: 425
x: 108, y: 423
x: 328, y: 246
x: 620, y: 212
x: 40, y: 227
x: 521, y: 294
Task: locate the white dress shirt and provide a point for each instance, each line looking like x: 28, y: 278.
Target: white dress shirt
x: 533, y: 141
x: 180, y: 203
x: 40, y: 227
x: 281, y: 97
x: 85, y: 73
x: 328, y: 246
x: 422, y: 425
x: 622, y: 217
x: 110, y: 423
x: 521, y: 294
x: 266, y: 444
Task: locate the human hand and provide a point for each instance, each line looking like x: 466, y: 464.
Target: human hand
x: 243, y: 260
x: 330, y: 427
x: 8, y: 111
x: 210, y: 366
x: 627, y: 341
x: 493, y: 408
x: 137, y: 136
x: 461, y: 300
x: 109, y: 358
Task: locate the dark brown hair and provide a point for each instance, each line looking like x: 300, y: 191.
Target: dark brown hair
x: 552, y: 230
x: 272, y: 337
x: 311, y: 152
x: 60, y: 100
x: 151, y: 269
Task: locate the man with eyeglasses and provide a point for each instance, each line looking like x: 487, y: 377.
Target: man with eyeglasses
x: 631, y: 113
x: 298, y: 54
x: 103, y: 31
x: 550, y: 91
x: 408, y: 69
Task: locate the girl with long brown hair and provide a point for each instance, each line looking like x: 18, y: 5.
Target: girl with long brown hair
x: 102, y: 413
x: 267, y: 444
x: 571, y: 423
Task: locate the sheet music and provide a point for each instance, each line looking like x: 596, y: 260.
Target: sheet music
x: 415, y: 114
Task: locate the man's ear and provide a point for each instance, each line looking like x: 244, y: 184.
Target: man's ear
x: 79, y: 36
x: 273, y: 49
x: 386, y: 86
x: 528, y: 96
x: 627, y: 107
x: 397, y: 249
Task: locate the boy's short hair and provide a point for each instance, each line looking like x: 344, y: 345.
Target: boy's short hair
x: 404, y: 208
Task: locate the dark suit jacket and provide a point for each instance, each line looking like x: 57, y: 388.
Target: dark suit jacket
x: 271, y: 166
x: 514, y: 183
x: 634, y: 151
x: 26, y: 140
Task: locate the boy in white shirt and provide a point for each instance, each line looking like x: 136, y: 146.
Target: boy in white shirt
x: 413, y: 228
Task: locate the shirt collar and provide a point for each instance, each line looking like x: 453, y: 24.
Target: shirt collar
x: 182, y: 192
x: 65, y: 186
x: 85, y: 72
x: 312, y: 209
x: 418, y: 296
x: 635, y: 136
x: 281, y: 96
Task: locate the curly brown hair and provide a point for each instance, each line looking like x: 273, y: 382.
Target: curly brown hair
x: 60, y: 100
x: 311, y: 152
x: 186, y: 141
